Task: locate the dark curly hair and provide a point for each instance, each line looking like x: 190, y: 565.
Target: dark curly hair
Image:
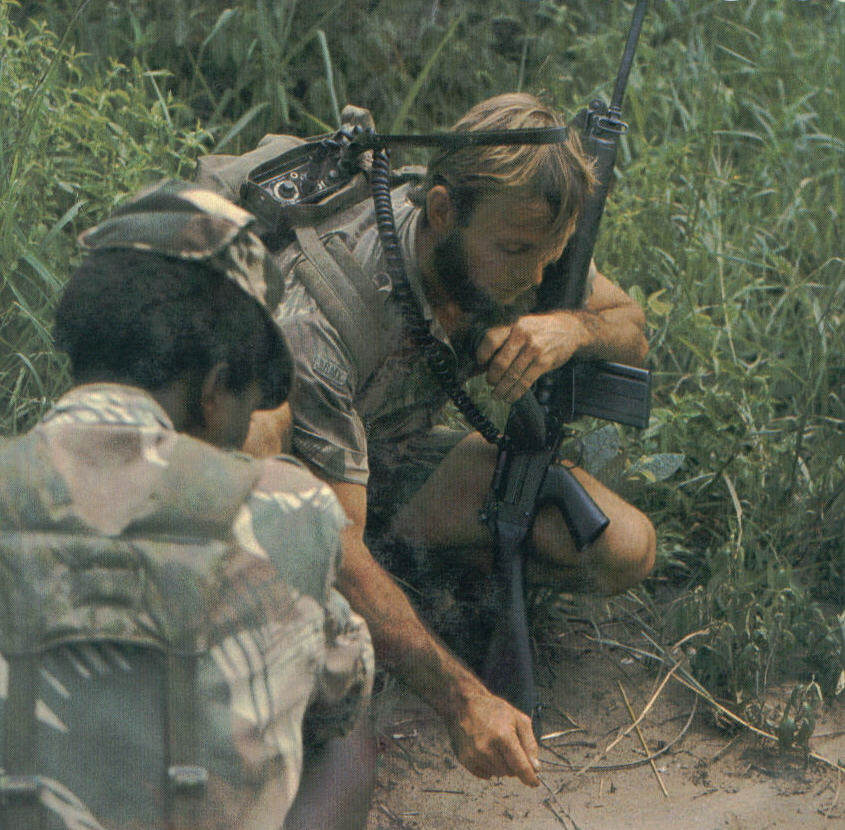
x: 147, y: 319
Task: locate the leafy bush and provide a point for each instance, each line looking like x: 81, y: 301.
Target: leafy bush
x: 71, y: 145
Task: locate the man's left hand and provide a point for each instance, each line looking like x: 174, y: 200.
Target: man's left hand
x: 516, y: 355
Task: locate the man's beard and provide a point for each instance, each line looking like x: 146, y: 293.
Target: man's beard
x: 452, y: 268
x: 483, y: 312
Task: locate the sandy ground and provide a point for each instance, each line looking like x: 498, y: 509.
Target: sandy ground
x: 716, y: 777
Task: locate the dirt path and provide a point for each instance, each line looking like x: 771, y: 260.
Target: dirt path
x: 715, y: 777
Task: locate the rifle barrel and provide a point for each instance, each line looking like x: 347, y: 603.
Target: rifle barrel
x: 627, y: 58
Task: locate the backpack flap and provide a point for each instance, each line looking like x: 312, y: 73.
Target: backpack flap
x: 65, y: 590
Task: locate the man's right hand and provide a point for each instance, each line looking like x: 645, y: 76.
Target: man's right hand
x: 269, y: 432
x: 491, y: 738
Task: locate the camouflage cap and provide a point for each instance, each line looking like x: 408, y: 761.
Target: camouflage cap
x: 182, y: 220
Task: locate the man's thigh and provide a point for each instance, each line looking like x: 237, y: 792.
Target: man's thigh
x: 444, y: 510
x: 400, y: 470
x: 444, y: 514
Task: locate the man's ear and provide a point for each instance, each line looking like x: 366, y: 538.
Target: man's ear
x: 440, y: 210
x: 215, y: 382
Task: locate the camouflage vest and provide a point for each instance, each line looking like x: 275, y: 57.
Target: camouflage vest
x: 150, y: 586
x: 345, y: 293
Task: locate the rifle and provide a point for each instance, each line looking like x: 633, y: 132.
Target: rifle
x: 526, y: 477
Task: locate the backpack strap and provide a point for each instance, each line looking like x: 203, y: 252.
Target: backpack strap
x: 227, y: 480
x: 186, y: 781
x: 346, y: 295
x: 20, y: 805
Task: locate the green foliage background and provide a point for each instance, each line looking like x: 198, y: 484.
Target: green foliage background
x: 726, y: 223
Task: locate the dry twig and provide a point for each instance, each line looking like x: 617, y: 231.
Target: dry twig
x: 625, y: 732
x: 563, y: 816
x: 686, y: 679
x: 643, y: 740
x: 631, y: 764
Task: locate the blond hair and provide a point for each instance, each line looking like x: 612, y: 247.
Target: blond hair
x: 560, y: 173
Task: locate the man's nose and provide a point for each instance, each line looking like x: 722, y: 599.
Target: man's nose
x: 532, y: 276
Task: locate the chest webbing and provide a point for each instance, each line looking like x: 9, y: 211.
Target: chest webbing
x: 346, y: 294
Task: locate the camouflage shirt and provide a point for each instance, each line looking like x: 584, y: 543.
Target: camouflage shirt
x: 343, y: 414
x: 300, y: 659
x: 338, y: 414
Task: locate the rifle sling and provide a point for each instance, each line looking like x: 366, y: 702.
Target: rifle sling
x: 19, y: 787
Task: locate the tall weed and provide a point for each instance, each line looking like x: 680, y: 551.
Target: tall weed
x: 71, y: 145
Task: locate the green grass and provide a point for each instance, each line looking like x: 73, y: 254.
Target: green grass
x: 71, y: 145
x: 725, y: 222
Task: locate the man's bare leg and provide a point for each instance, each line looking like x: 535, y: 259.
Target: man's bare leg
x: 445, y: 512
x: 337, y: 783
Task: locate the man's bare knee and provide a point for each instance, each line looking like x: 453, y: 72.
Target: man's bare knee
x: 631, y: 555
x: 620, y: 558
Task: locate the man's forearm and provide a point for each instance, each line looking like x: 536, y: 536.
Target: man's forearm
x: 611, y: 326
x: 614, y: 334
x: 488, y: 735
x: 402, y: 642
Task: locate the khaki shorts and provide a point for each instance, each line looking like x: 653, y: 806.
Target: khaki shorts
x: 399, y: 470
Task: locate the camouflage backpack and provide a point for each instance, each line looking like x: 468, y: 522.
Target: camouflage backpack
x: 147, y: 586
x: 150, y: 588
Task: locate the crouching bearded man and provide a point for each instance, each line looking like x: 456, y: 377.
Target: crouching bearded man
x: 475, y: 234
